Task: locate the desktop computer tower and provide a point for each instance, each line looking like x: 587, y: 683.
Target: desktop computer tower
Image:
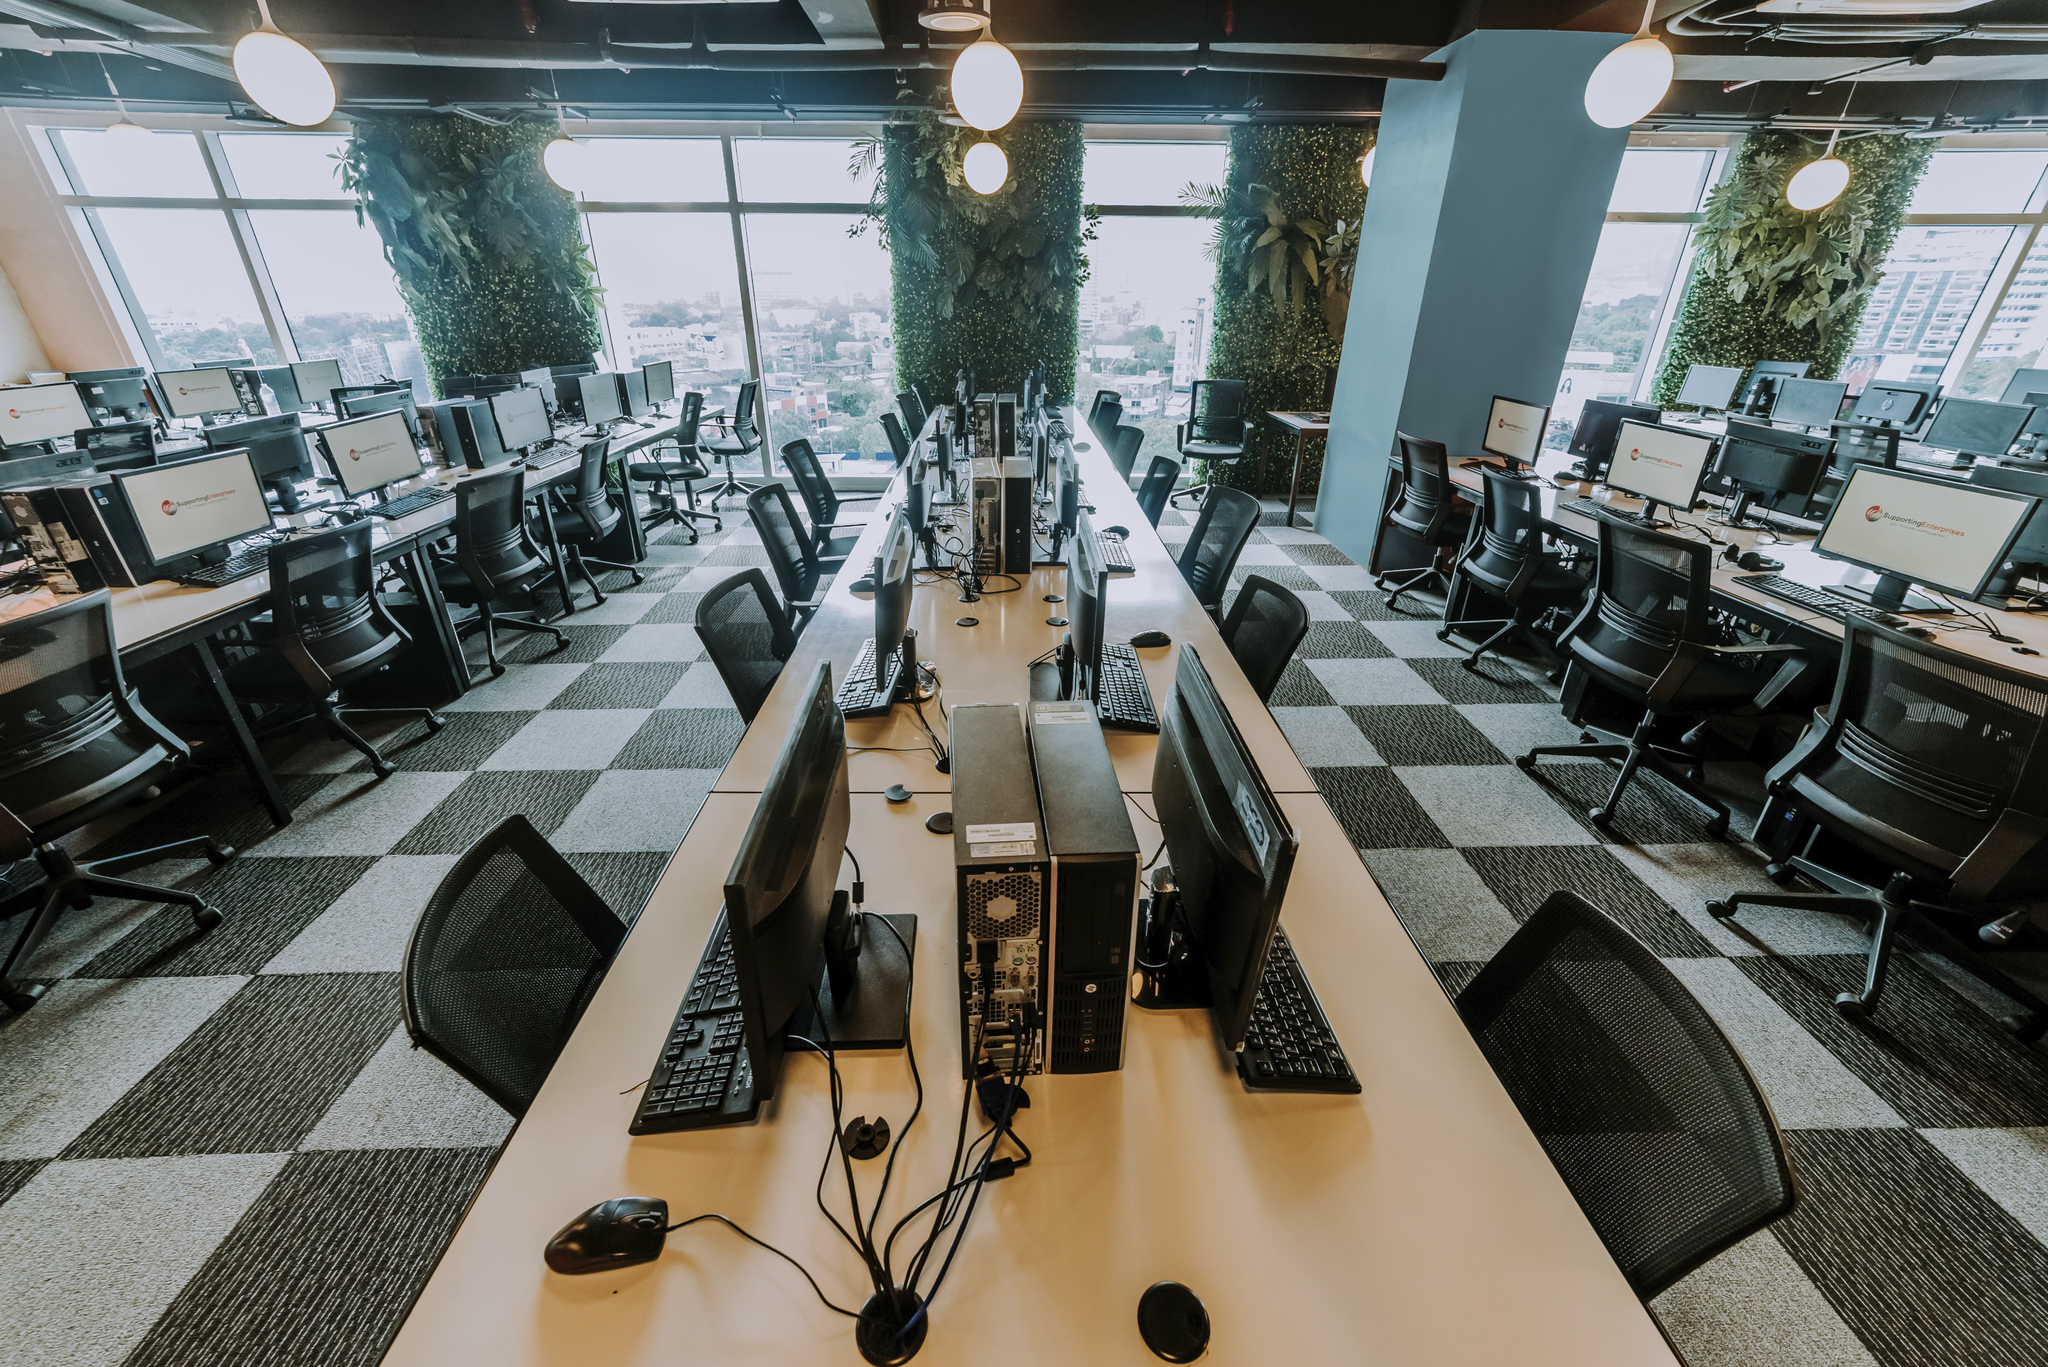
x: 38, y: 516
x: 986, y: 505
x: 633, y: 393
x: 100, y: 518
x: 1006, y: 427
x: 467, y: 429
x: 1095, y: 858
x: 1016, y: 517
x: 1003, y: 881
x: 981, y: 420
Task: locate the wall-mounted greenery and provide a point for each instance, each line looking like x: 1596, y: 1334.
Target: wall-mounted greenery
x: 486, y: 248
x: 989, y: 282
x: 1772, y: 283
x: 1285, y: 349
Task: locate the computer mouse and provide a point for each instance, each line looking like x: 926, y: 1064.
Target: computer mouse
x: 896, y: 792
x: 862, y: 585
x: 623, y: 1232
x: 1117, y: 531
x: 1924, y: 633
x: 1173, y: 1322
x: 1145, y: 639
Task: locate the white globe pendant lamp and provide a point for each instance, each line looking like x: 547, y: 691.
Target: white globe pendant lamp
x: 567, y: 163
x: 282, y: 75
x: 1631, y: 80
x: 1818, y: 183
x: 1365, y: 164
x: 986, y: 166
x: 988, y: 85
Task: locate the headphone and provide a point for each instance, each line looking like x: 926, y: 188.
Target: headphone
x: 1750, y: 560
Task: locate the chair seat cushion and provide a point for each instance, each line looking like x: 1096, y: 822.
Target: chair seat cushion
x: 730, y: 446
x: 1212, y: 450
x: 672, y: 470
x: 266, y: 674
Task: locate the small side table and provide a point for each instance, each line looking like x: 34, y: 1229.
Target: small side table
x: 1304, y: 426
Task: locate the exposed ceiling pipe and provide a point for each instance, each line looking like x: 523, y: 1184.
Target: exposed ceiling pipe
x: 139, y: 42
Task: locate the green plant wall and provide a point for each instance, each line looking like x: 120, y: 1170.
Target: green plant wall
x: 1714, y: 327
x: 1284, y: 354
x: 487, y: 250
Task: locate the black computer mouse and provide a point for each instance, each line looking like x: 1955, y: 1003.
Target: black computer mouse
x: 1173, y: 1322
x: 1145, y: 639
x: 623, y: 1232
x: 1117, y: 531
x: 862, y: 585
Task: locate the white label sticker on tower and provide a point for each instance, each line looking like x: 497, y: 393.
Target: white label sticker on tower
x: 1005, y: 830
x: 1003, y: 848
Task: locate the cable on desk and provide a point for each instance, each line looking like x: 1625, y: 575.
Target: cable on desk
x: 730, y: 1224
x: 1140, y: 806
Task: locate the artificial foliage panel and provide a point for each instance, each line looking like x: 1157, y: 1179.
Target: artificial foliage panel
x: 487, y: 250
x: 1772, y: 283
x: 1284, y: 351
x: 991, y: 283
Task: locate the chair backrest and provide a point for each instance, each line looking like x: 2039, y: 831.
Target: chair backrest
x: 899, y: 442
x: 1506, y: 546
x: 743, y: 421
x: 811, y: 482
x: 330, y: 626
x: 1102, y: 396
x: 492, y: 543
x: 1228, y: 516
x: 510, y: 949
x: 1216, y: 411
x: 1426, y: 501
x: 1650, y: 1115
x: 689, y: 418
x: 1157, y: 487
x: 1649, y: 595
x: 1104, y: 421
x: 588, y: 499
x: 69, y: 730
x: 1123, y: 449
x: 790, y: 552
x: 747, y: 635
x: 913, y: 410
x: 1265, y: 625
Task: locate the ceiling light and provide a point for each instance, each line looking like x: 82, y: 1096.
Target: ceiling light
x: 125, y: 126
x: 567, y: 163
x: 1631, y: 80
x: 127, y: 129
x: 282, y: 75
x: 986, y: 167
x: 1818, y: 184
x: 988, y: 85
x: 1365, y: 164
x: 954, y: 16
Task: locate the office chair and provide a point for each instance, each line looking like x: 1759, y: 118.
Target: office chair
x: 742, y: 438
x: 1652, y: 1118
x: 791, y: 552
x: 822, y: 501
x: 75, y: 744
x: 1428, y: 510
x: 1159, y: 480
x: 1215, y: 432
x: 330, y: 632
x: 1504, y: 558
x: 1103, y: 397
x: 583, y: 516
x: 1105, y: 418
x: 495, y: 554
x: 1226, y: 522
x: 1928, y: 768
x: 747, y: 635
x: 1123, y: 448
x: 1265, y: 626
x: 911, y: 403
x: 1643, y: 636
x: 899, y: 444
x: 684, y: 468
x: 510, y: 949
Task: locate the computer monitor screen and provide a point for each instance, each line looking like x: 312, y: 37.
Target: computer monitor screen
x: 893, y: 580
x: 316, y: 382
x: 542, y: 379
x: 2023, y: 383
x: 1661, y: 464
x: 1922, y: 529
x: 1230, y: 846
x: 370, y: 452
x: 1808, y: 403
x: 660, y: 378
x: 1088, y: 605
x: 522, y: 418
x: 1709, y: 386
x: 1765, y: 380
x: 1599, y: 422
x: 1973, y: 427
x: 1858, y: 443
x: 1768, y: 460
x: 1898, y: 402
x: 198, y: 393
x: 119, y: 445
x: 276, y: 444
x: 567, y: 372
x: 284, y: 388
x: 41, y: 412
x: 384, y: 401
x: 1514, y: 430
x: 600, y: 398
x: 1795, y: 369
x: 2030, y: 547
x: 115, y: 391
x: 2037, y: 425
x: 193, y: 504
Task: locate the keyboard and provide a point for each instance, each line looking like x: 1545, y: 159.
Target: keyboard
x: 1290, y: 1046
x: 1116, y: 556
x: 229, y: 570
x: 702, y: 1077
x: 547, y: 457
x: 1586, y: 507
x: 407, y: 504
x: 857, y: 696
x: 1818, y: 600
x: 1933, y: 457
x: 1122, y: 701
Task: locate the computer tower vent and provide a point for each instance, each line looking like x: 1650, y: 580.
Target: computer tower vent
x: 1002, y: 906
x: 1088, y: 1025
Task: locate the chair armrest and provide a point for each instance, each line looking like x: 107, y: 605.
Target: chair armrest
x: 2014, y: 836
x: 1691, y: 654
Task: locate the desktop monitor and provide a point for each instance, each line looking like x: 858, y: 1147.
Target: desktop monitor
x: 2037, y: 425
x: 1088, y: 606
x: 35, y: 413
x: 570, y: 372
x: 2023, y: 383
x: 1514, y: 430
x: 601, y: 401
x: 1860, y: 443
x: 119, y: 445
x: 1920, y: 529
x: 383, y: 400
x: 112, y: 391
x: 316, y: 382
x: 369, y: 452
x: 195, y: 507
x: 1887, y: 401
x: 1770, y: 463
x: 277, y: 448
x: 521, y: 416
x: 1709, y: 386
x: 1659, y: 464
x: 1975, y: 427
x: 542, y: 379
x: 199, y: 393
x: 1808, y: 403
x: 2027, y: 557
x: 893, y: 582
x: 1766, y: 378
x: 660, y: 379
x: 1599, y: 422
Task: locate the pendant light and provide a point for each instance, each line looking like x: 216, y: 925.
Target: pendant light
x: 986, y: 166
x: 1365, y: 164
x: 954, y: 16
x: 566, y: 161
x: 282, y: 75
x: 1631, y: 80
x: 124, y: 126
x: 1820, y: 183
x: 988, y: 85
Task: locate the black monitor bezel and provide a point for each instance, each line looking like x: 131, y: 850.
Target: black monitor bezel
x: 162, y: 567
x: 1734, y: 384
x: 1928, y: 439
x: 1596, y: 464
x: 1706, y: 464
x: 1542, y: 430
x: 1835, y: 413
x: 608, y: 383
x: 669, y: 369
x: 325, y: 437
x: 1757, y: 435
x: 1843, y: 501
x: 498, y: 418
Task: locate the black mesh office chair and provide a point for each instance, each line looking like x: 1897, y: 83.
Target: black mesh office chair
x: 791, y: 553
x: 583, y: 515
x: 1428, y: 510
x: 495, y: 554
x: 1651, y: 1117
x: 1265, y: 626
x: 1504, y: 559
x: 1226, y: 522
x: 911, y: 404
x: 899, y: 442
x: 329, y: 633
x: 746, y: 633
x: 75, y: 744
x: 1105, y: 417
x: 739, y: 436
x: 1123, y: 448
x: 823, y: 502
x: 1215, y: 432
x: 1160, y: 477
x: 1643, y: 637
x: 676, y: 460
x: 510, y: 949
x: 1928, y: 769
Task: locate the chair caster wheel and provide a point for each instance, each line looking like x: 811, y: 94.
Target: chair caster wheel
x: 497, y: 670
x: 1718, y: 828
x: 1526, y: 763
x: 1588, y: 738
x: 561, y: 644
x: 1851, y: 1006
x: 1470, y: 666
x: 1781, y: 874
x: 435, y: 721
x: 218, y: 855
x: 206, y: 918
x: 383, y: 769
x: 1444, y: 635
x: 638, y: 578
x: 21, y: 999
x: 1720, y: 911
x: 1601, y: 817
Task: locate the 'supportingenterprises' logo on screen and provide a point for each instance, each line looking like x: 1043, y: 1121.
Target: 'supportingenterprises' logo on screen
x: 172, y: 507
x: 1873, y: 513
x: 1876, y: 513
x: 354, y: 454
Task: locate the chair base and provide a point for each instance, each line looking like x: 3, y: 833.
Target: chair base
x: 490, y: 622
x: 683, y: 512
x: 1513, y: 627
x: 1404, y: 580
x: 333, y: 714
x: 1681, y: 770
x: 581, y: 563
x: 1192, y: 491
x: 731, y: 486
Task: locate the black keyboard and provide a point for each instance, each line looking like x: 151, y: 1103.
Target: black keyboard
x: 229, y: 570
x: 416, y: 501
x: 1819, y: 600
x: 857, y: 695
x: 1122, y: 701
x: 547, y: 457
x: 1290, y: 1046
x: 1116, y: 556
x: 1586, y: 507
x: 702, y: 1078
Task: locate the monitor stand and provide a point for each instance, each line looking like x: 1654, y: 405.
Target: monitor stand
x: 1171, y: 976
x: 1890, y: 594
x: 286, y: 493
x: 1514, y: 469
x: 862, y: 993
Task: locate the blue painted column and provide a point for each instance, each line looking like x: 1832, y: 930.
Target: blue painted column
x: 1488, y: 194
